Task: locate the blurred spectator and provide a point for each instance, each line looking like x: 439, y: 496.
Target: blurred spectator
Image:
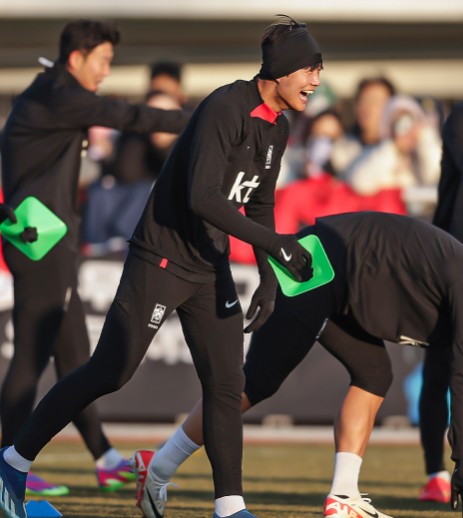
x: 166, y: 76
x: 408, y: 154
x: 322, y: 132
x: 97, y: 154
x: 317, y: 120
x: 310, y: 155
x: 161, y: 140
x: 141, y: 156
x: 115, y: 202
x: 371, y: 98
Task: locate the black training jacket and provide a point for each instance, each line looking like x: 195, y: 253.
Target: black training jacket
x: 227, y: 157
x: 42, y: 140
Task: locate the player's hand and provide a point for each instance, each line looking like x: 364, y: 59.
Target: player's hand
x: 262, y: 304
x: 294, y: 257
x: 6, y: 212
x: 456, y: 485
x: 29, y: 235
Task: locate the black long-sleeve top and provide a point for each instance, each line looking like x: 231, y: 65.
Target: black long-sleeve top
x: 227, y: 157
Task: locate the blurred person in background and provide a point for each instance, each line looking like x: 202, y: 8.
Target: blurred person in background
x: 138, y: 156
x: 407, y: 155
x: 227, y: 158
x: 115, y: 202
x: 319, y: 120
x: 41, y: 155
x: 309, y: 155
x: 434, y: 410
x: 322, y: 132
x: 97, y: 155
x: 166, y: 76
x: 371, y: 97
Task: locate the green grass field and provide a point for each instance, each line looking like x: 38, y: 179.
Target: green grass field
x: 279, y: 481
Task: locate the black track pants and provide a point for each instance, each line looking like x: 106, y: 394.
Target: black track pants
x: 48, y: 321
x: 212, y: 323
x: 434, y: 410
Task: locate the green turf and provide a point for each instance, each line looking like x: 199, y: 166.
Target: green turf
x: 279, y: 481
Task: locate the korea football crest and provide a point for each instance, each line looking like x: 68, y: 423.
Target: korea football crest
x: 156, y: 316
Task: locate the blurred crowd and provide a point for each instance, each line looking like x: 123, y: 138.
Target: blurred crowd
x: 392, y: 143
x: 378, y: 151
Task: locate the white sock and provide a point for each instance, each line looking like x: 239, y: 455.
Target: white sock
x: 441, y: 474
x: 109, y: 460
x: 227, y: 505
x: 173, y: 453
x: 15, y: 460
x: 346, y: 474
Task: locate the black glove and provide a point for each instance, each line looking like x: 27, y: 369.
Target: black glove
x: 294, y: 257
x: 29, y: 235
x: 6, y: 212
x: 456, y: 484
x: 262, y: 304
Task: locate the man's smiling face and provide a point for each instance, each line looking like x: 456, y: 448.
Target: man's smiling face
x: 294, y: 89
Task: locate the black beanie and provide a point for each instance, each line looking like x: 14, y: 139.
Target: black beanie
x: 292, y: 51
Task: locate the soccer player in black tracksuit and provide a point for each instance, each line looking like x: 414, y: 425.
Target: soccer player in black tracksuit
x: 396, y: 279
x: 227, y: 157
x: 434, y: 411
x: 41, y: 149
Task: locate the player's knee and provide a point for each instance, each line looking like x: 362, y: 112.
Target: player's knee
x: 255, y: 393
x: 113, y: 381
x: 107, y: 379
x: 377, y: 383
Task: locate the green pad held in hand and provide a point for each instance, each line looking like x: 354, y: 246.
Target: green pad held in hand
x: 323, y: 272
x: 33, y: 213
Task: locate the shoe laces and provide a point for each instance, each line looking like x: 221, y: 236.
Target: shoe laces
x: 364, y: 498
x: 162, y: 490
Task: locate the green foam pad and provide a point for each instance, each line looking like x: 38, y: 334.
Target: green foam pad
x: 33, y: 213
x: 323, y: 272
